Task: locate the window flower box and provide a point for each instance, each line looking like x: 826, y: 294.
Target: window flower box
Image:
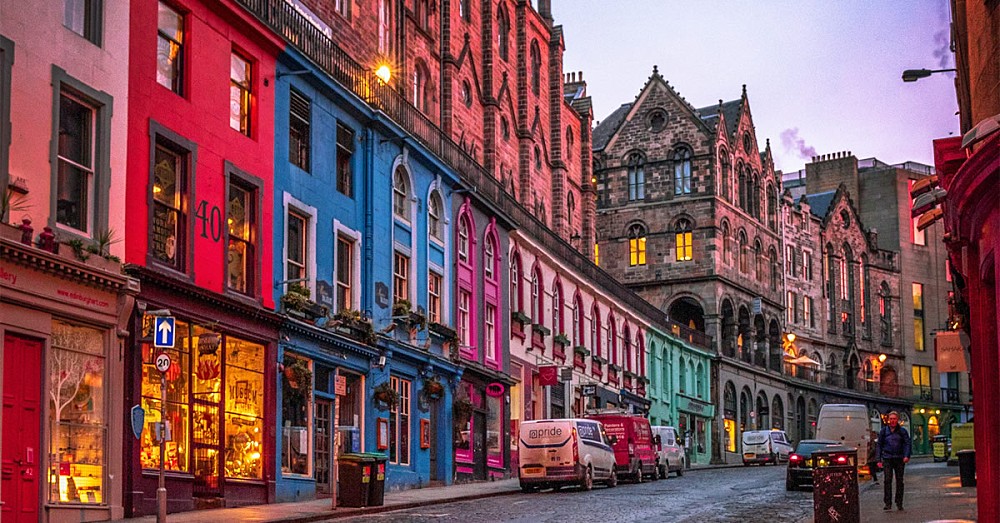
x: 518, y: 320
x: 538, y: 334
x: 614, y: 368
x: 353, y: 325
x: 579, y: 360
x: 595, y: 369
x: 600, y: 360
x: 296, y: 303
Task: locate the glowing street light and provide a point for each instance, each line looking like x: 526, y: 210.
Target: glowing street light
x: 882, y: 358
x: 384, y: 73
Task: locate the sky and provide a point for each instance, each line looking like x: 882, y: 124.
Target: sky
x: 822, y: 76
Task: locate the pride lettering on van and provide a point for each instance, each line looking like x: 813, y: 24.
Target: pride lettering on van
x: 541, y: 433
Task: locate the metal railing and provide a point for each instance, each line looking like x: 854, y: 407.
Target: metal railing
x: 870, y: 386
x: 328, y: 56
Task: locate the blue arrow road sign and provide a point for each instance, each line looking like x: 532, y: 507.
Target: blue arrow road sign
x: 163, y: 332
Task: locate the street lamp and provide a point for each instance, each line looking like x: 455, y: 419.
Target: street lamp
x: 912, y: 75
x: 882, y: 357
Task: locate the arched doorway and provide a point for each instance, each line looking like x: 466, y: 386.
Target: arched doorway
x: 728, y: 329
x: 760, y: 336
x: 777, y: 413
x: 868, y: 375
x: 688, y: 313
x: 853, y: 367
x: 811, y: 415
x: 745, y: 405
x: 776, y: 356
x: 743, y: 338
x: 800, y: 419
x: 763, y: 412
x: 729, y: 416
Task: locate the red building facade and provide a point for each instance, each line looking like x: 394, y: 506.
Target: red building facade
x: 201, y: 151
x: 969, y: 169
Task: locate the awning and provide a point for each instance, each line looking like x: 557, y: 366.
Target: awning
x: 803, y: 360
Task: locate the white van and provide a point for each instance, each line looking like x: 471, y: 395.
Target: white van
x: 669, y: 451
x: 765, y: 446
x: 847, y: 424
x: 558, y: 452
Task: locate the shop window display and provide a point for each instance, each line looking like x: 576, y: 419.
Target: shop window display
x: 207, y: 368
x: 77, y: 421
x: 296, y: 395
x: 494, y: 430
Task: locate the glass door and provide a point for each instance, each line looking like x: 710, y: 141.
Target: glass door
x: 322, y: 436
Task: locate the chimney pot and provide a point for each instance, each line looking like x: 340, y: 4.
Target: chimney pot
x: 581, y: 76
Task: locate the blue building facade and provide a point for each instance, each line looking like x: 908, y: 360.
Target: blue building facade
x: 361, y: 225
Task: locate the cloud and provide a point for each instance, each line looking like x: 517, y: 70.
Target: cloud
x: 791, y: 141
x: 942, y: 49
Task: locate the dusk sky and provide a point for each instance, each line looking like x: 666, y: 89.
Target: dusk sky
x: 822, y: 76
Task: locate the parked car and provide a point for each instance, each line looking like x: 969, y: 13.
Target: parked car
x: 765, y: 446
x: 558, y: 452
x: 635, y: 451
x: 669, y: 451
x: 800, y: 463
x: 850, y: 425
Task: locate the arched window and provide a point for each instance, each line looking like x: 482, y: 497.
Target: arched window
x: 885, y: 313
x: 636, y: 245
x: 463, y: 239
x: 627, y: 347
x: 758, y: 259
x: 434, y: 223
x: 775, y: 268
x: 636, y: 177
x: 682, y: 171
x: 772, y: 208
x: 612, y: 340
x: 516, y: 299
x: 742, y: 187
x: 558, y: 322
x: 536, y: 297
x: 699, y: 387
x: 401, y: 194
x: 595, y: 331
x: 727, y: 244
x: 489, y: 257
x: 865, y: 279
x: 577, y: 336
x: 569, y: 141
x: 725, y: 190
x: 421, y: 87
x: 536, y: 67
x: 744, y: 253
x: 538, y: 157
x: 682, y: 385
x: 683, y: 239
x: 570, y: 207
x: 503, y: 33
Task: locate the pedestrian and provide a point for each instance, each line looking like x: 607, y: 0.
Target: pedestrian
x: 873, y: 457
x: 893, y: 454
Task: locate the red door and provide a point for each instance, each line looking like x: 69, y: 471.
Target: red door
x: 19, y: 488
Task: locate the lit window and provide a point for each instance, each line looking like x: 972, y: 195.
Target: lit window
x: 240, y: 93
x: 399, y: 423
x: 168, y: 241
x: 637, y: 245
x: 170, y: 48
x: 345, y: 273
x: 434, y: 297
x: 242, y: 224
x: 918, y: 316
x: 683, y: 237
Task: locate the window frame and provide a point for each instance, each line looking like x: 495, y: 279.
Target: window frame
x: 400, y: 420
x: 189, y: 152
x: 344, y: 288
x: 682, y: 171
x: 93, y: 21
x: 435, y: 218
x: 177, y: 83
x: 301, y: 125
x: 637, y: 237
x: 246, y: 90
x: 6, y: 65
x: 434, y: 299
x: 345, y: 154
x: 255, y: 187
x: 401, y: 208
x: 684, y: 240
x: 401, y: 287
x: 100, y: 184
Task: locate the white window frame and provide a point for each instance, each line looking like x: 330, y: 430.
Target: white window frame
x: 339, y: 229
x: 290, y: 204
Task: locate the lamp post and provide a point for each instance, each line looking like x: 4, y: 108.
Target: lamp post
x: 912, y: 75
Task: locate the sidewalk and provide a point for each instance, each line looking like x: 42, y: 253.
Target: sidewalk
x: 933, y: 493
x: 319, y: 509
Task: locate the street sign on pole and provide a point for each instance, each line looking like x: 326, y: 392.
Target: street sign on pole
x: 162, y: 362
x: 163, y: 332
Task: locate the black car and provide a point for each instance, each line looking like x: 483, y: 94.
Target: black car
x: 800, y: 463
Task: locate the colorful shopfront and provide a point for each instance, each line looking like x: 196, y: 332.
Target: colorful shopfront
x: 60, y: 320
x: 217, y: 396
x: 482, y: 424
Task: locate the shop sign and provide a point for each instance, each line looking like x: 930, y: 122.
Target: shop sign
x: 340, y: 385
x: 495, y: 389
x: 566, y: 374
x: 950, y: 352
x: 324, y: 293
x: 548, y: 375
x: 589, y: 390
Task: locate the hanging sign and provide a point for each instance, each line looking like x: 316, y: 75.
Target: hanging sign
x: 950, y: 352
x: 138, y: 421
x: 495, y: 390
x: 548, y: 375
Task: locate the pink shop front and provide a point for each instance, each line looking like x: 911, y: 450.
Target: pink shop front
x: 481, y: 417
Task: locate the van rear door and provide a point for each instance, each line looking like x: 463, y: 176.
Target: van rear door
x: 756, y: 443
x: 545, y: 443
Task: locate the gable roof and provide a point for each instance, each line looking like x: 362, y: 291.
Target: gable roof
x: 819, y: 203
x: 730, y: 111
x: 606, y: 129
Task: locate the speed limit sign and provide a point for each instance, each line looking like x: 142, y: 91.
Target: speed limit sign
x: 162, y: 362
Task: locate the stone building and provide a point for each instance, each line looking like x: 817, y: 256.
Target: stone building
x: 688, y: 206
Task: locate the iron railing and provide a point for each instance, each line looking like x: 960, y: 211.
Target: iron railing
x: 870, y: 386
x: 285, y: 20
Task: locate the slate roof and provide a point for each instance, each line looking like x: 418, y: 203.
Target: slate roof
x: 819, y: 203
x: 731, y: 111
x: 607, y: 128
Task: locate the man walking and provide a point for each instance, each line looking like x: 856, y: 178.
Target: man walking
x: 893, y: 453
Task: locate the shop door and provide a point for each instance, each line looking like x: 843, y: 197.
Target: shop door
x: 322, y: 434
x: 206, y: 451
x: 479, y: 445
x: 432, y: 430
x: 19, y: 488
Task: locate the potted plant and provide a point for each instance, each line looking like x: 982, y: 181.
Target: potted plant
x: 433, y: 388
x: 614, y: 367
x: 386, y: 395
x: 352, y: 324
x: 401, y: 308
x: 441, y: 331
x: 541, y: 330
x: 297, y: 382
x: 561, y: 339
x: 581, y: 350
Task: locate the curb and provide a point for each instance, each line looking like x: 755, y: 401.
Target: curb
x: 346, y: 513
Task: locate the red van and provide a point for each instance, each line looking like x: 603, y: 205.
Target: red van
x: 635, y: 450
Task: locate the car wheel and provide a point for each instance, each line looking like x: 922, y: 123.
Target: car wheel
x: 529, y: 489
x: 663, y: 470
x: 613, y: 480
x: 638, y: 473
x: 588, y: 480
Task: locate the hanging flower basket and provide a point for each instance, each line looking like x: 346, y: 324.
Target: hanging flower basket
x: 386, y: 395
x: 297, y: 383
x: 433, y: 389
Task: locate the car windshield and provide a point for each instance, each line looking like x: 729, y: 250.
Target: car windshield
x: 807, y: 449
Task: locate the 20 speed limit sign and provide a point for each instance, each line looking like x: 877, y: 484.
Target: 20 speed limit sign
x: 162, y: 362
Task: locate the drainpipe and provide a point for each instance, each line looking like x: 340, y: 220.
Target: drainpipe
x: 367, y: 298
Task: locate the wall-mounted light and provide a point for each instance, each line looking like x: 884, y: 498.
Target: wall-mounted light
x: 384, y: 73
x: 882, y: 358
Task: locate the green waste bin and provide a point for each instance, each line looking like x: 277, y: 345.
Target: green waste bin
x: 376, y: 489
x: 967, y: 467
x: 354, y: 478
